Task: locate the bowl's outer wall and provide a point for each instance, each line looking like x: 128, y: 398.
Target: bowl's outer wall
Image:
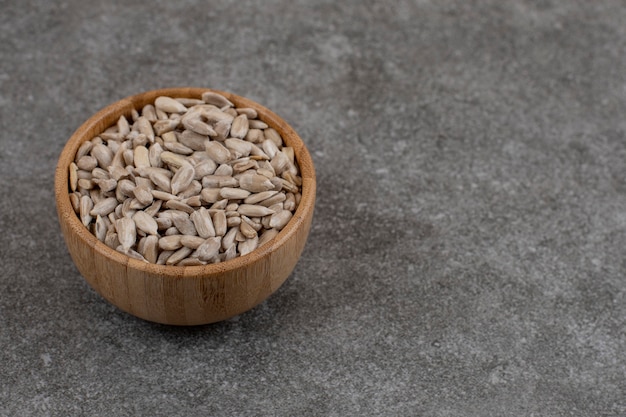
x: 184, y: 295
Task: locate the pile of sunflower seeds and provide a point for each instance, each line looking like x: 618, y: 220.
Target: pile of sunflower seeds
x: 186, y: 182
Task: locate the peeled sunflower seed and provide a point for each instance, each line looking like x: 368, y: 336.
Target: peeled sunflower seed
x: 193, y: 140
x: 252, y: 210
x: 163, y: 195
x: 86, y: 204
x: 169, y: 105
x: 73, y: 175
x: 179, y: 205
x: 123, y: 128
x: 280, y: 219
x: 164, y: 126
x: 270, y: 148
x: 255, y: 136
x: 103, y: 155
x: 85, y: 184
x: 131, y: 253
x: 83, y: 150
x: 248, y: 245
x: 105, y: 185
x: 87, y: 162
x: 240, y: 146
x: 258, y: 197
x: 171, y: 242
x: 273, y: 135
x: 117, y: 172
x: 203, y: 223
x: 177, y: 148
x: 192, y: 242
x: 163, y: 223
x: 75, y: 201
x: 172, y: 159
x: 248, y: 111
x: 154, y: 155
x: 179, y: 255
x: 100, y: 174
x: 204, y: 168
x: 145, y: 127
x: 161, y: 181
x: 230, y: 252
x: 275, y: 199
x: 210, y: 195
x: 234, y: 193
x: 184, y: 224
x: 216, y: 99
x: 151, y: 249
x: 143, y: 195
x: 246, y: 229
x: 171, y: 231
x: 257, y: 124
x: 164, y: 256
x: 154, y: 208
x: 209, y: 249
x: 100, y: 228
x: 126, y: 232
x: 193, y: 201
x: 224, y: 170
x: 267, y: 235
x: 219, y: 181
x: 217, y: 152
x: 239, y: 127
x: 255, y: 183
x: 183, y: 177
x: 141, y: 157
x: 280, y: 162
x: 191, y: 261
x: 104, y: 207
x: 219, y: 222
x: 198, y: 126
x: 189, y: 102
x: 145, y: 222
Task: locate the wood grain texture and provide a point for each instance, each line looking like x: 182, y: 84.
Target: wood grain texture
x: 179, y: 295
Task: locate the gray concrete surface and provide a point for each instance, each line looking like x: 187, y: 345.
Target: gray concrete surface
x: 467, y: 254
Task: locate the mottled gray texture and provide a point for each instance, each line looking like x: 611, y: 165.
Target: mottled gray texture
x: 467, y: 253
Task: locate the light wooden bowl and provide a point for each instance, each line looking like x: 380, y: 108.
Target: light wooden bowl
x: 180, y: 295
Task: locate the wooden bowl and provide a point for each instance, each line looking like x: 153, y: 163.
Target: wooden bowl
x: 184, y: 295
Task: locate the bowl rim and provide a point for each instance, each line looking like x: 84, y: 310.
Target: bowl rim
x: 105, y: 118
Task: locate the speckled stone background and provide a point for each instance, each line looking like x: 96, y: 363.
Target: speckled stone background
x: 467, y: 253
